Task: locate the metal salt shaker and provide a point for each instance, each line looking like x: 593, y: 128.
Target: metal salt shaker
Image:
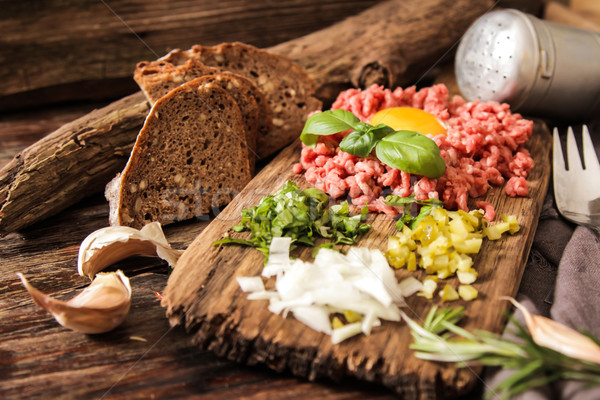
x: 540, y: 68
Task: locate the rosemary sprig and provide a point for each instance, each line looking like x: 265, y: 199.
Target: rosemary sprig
x: 439, y: 338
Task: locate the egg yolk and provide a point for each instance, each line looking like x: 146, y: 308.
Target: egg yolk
x: 409, y: 119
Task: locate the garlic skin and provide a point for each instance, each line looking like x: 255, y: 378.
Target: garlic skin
x: 556, y: 336
x: 99, y: 308
x: 109, y: 245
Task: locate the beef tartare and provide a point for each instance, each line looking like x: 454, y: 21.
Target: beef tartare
x: 482, y: 146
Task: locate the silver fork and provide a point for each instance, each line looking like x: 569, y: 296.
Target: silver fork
x: 577, y: 189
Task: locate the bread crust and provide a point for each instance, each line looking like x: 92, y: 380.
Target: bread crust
x: 157, y: 78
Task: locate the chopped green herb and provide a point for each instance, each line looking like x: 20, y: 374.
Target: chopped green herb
x: 300, y: 214
x: 426, y: 206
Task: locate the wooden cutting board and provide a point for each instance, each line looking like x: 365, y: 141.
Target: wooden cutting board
x: 203, y: 294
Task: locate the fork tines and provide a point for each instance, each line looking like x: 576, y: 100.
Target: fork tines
x: 590, y: 160
x: 577, y: 188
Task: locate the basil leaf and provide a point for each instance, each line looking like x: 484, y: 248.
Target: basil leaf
x: 427, y: 206
x: 318, y: 195
x: 317, y: 202
x: 238, y: 228
x: 341, y: 209
x: 364, y: 212
x: 380, y: 131
x: 399, y: 201
x: 411, y: 152
x: 362, y: 141
x: 233, y: 241
x: 404, y: 220
x: 423, y: 212
x: 393, y: 200
x: 358, y: 143
x: 327, y: 123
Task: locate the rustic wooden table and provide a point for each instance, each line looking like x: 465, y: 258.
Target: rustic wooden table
x: 143, y: 358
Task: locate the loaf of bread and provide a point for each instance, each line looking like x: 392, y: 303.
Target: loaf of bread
x: 287, y: 89
x: 190, y: 158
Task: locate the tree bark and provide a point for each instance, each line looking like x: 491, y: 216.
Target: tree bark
x: 71, y: 163
x: 393, y: 43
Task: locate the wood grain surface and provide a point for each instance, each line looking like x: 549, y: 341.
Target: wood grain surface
x: 395, y: 43
x: 143, y: 358
x: 41, y: 360
x: 92, y: 54
x: 76, y: 160
x: 203, y: 295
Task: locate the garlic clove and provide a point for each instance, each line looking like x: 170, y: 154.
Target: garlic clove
x: 109, y: 245
x: 556, y: 336
x: 99, y: 308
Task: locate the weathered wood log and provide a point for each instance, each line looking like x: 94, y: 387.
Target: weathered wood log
x: 62, y: 45
x: 21, y: 129
x: 392, y: 43
x: 73, y: 162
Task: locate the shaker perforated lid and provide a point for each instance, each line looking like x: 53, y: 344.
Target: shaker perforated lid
x: 497, y: 58
x: 538, y: 67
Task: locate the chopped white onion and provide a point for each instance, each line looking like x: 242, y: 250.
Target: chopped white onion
x: 361, y: 281
x: 251, y: 284
x: 263, y: 295
x: 279, y: 256
x: 410, y: 286
x: 315, y: 317
x: 276, y: 305
x: 369, y: 321
x: 340, y: 334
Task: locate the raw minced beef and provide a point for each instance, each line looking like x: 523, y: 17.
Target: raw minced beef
x: 483, y: 146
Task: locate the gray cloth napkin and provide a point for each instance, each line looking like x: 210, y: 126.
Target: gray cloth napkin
x: 577, y: 298
x: 561, y: 281
x: 577, y: 289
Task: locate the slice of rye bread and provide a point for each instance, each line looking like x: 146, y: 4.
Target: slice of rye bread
x: 288, y: 89
x: 158, y: 78
x: 189, y: 158
x: 244, y: 92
